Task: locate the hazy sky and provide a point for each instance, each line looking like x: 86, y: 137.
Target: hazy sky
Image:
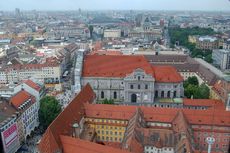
x: 217, y: 5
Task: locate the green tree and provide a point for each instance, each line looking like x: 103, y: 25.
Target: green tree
x: 193, y: 80
x: 202, y: 92
x: 181, y: 35
x: 208, y: 58
x: 49, y: 110
x: 190, y: 90
x: 106, y: 101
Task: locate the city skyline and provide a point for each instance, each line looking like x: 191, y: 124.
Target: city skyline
x: 204, y: 5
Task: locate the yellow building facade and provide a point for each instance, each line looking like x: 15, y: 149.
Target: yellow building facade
x: 214, y: 95
x: 192, y: 39
x: 108, y: 130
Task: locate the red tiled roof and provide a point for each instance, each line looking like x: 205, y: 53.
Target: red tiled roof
x: 204, y: 102
x: 167, y: 74
x: 122, y: 65
x: 109, y: 111
x: 113, y: 66
x: 163, y: 115
x: 62, y: 125
x: 53, y: 139
x: 75, y: 145
x: 32, y: 85
x: 20, y: 98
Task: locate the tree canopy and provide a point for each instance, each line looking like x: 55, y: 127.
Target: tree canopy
x: 106, y: 101
x: 49, y: 110
x: 192, y: 89
x: 191, y: 80
x: 180, y: 35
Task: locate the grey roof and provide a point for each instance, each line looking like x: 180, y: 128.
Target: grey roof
x: 6, y: 111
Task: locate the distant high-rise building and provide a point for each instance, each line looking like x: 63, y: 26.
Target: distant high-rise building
x: 221, y: 58
x: 17, y: 13
x: 138, y: 20
x: 79, y: 11
x: 162, y: 22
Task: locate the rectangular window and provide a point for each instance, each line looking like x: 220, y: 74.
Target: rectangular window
x: 131, y: 86
x: 139, y: 86
x: 146, y: 86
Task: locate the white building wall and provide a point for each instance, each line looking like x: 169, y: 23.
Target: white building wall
x: 24, y: 74
x: 112, y: 33
x: 30, y: 119
x: 152, y: 149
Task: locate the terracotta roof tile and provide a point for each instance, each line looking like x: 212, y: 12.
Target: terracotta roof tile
x: 204, y: 102
x: 122, y: 65
x: 113, y: 66
x: 75, y: 145
x: 155, y: 114
x: 20, y: 98
x: 167, y: 74
x: 53, y: 139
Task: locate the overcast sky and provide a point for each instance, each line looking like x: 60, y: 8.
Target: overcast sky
x: 212, y: 5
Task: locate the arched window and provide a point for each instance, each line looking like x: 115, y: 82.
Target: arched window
x: 162, y: 94
x: 102, y: 95
x: 168, y: 94
x: 115, y: 95
x: 133, y: 98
